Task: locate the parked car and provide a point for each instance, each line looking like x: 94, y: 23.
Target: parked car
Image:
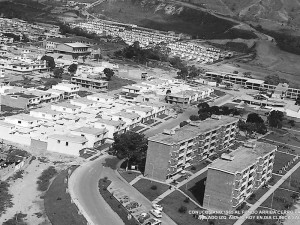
x: 142, y: 217
x: 156, y: 213
x: 157, y: 207
x: 153, y: 221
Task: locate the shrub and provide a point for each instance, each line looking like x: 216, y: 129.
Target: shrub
x: 44, y: 180
x: 186, y: 200
x: 193, y: 168
x: 154, y: 187
x: 182, y: 209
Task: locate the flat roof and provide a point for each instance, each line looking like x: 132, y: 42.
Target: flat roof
x: 127, y: 115
x: 25, y: 117
x: 192, y: 130
x: 89, y: 79
x: 101, y: 95
x: 24, y: 95
x: 46, y: 110
x: 111, y: 122
x: 83, y: 100
x: 5, y: 124
x: 68, y: 137
x: 90, y: 130
x: 243, y: 157
x: 141, y: 108
x: 66, y: 105
x: 131, y: 87
x: 76, y: 45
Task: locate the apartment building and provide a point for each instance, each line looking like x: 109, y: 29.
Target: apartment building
x: 91, y: 84
x: 70, y: 90
x: 171, y: 152
x: 233, y: 178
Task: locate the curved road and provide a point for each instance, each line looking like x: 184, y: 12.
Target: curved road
x: 83, y: 186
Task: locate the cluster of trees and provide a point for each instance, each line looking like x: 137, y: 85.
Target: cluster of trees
x: 254, y: 123
x: 205, y: 111
x: 109, y: 73
x: 188, y: 72
x: 66, y: 29
x: 275, y: 80
x: 72, y: 68
x: 139, y: 55
x: 275, y: 119
x: 24, y: 38
x: 50, y: 61
x: 130, y: 145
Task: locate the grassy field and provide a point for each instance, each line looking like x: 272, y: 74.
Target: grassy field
x: 146, y: 187
x: 280, y: 200
x: 58, y: 206
x: 129, y: 175
x: 257, y: 195
x: 281, y: 159
x: 293, y: 183
x: 195, y: 188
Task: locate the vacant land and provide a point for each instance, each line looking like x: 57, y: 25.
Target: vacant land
x: 58, y: 206
x: 281, y: 160
x: 150, y: 189
x: 117, y: 82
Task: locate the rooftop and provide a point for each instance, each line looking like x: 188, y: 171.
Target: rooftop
x: 141, y: 108
x: 127, y: 115
x: 24, y: 95
x: 46, y: 110
x: 243, y: 157
x: 111, y: 122
x: 76, y: 45
x: 192, y: 130
x: 68, y: 137
x: 24, y: 117
x: 66, y: 105
x: 90, y: 130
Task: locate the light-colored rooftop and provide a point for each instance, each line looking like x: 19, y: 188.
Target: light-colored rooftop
x: 46, y: 110
x: 192, y: 130
x: 68, y: 137
x: 127, y: 115
x: 141, y: 108
x: 66, y: 105
x: 111, y: 122
x: 90, y: 130
x: 24, y: 117
x: 83, y: 100
x: 76, y: 45
x: 243, y: 157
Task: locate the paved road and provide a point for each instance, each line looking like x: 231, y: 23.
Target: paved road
x: 242, y: 219
x: 84, y: 182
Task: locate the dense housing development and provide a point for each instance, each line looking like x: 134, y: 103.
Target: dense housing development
x: 172, y: 151
x: 233, y: 178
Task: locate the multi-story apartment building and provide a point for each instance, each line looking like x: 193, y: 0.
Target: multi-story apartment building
x: 171, y: 152
x: 92, y: 84
x: 233, y: 178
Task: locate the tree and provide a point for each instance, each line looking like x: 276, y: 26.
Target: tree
x: 183, y: 123
x: 261, y: 128
x: 73, y: 68
x: 194, y: 117
x: 292, y: 123
x: 130, y: 145
x: 203, y: 105
x: 108, y: 73
x: 203, y: 115
x: 57, y: 72
x: 254, y: 118
x: 214, y: 110
x: 275, y: 119
x: 183, y: 73
x: 218, y: 80
x: 49, y: 61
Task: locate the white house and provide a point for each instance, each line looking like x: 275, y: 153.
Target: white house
x: 131, y: 119
x: 46, y: 113
x: 70, y: 90
x: 66, y: 143
x: 23, y: 120
x: 113, y: 127
x: 83, y: 103
x: 95, y: 136
x: 66, y: 107
x: 99, y: 97
x: 145, y: 112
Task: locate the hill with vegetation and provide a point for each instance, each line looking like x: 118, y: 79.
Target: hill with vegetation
x: 169, y: 16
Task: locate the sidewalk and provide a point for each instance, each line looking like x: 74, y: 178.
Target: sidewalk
x: 242, y: 219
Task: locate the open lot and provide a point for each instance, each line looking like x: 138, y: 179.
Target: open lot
x: 117, y: 82
x: 195, y: 188
x: 293, y: 183
x: 58, y: 206
x: 280, y: 200
x: 281, y: 160
x: 150, y: 189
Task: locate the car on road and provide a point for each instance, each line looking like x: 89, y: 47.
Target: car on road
x: 157, y: 207
x: 142, y: 217
x: 153, y: 221
x: 156, y: 213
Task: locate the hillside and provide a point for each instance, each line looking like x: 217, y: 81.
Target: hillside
x: 167, y: 16
x: 271, y: 14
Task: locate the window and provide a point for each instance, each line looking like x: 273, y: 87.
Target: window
x: 67, y: 143
x: 58, y: 141
x: 19, y: 121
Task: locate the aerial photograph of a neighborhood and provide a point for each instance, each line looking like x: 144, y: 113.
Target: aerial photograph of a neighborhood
x: 150, y: 112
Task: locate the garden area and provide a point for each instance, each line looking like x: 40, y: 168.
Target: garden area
x: 195, y: 188
x: 281, y: 200
x: 129, y: 175
x: 150, y: 189
x: 282, y: 160
x: 58, y: 206
x: 114, y: 203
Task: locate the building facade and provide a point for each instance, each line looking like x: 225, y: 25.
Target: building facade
x: 172, y: 151
x: 233, y: 178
